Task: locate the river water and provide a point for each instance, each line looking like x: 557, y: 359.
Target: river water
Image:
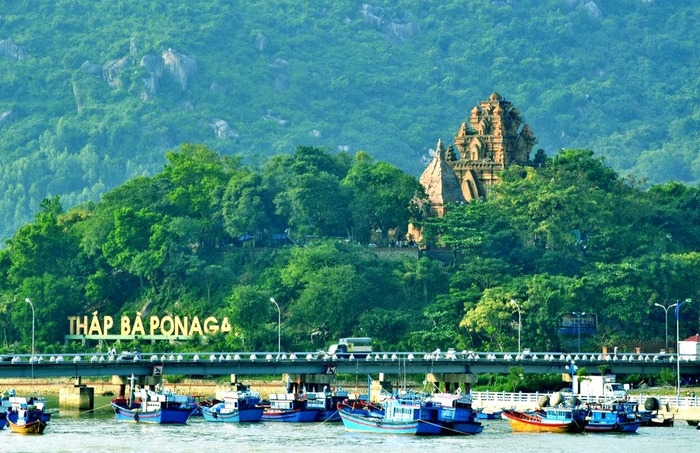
x: 100, y: 432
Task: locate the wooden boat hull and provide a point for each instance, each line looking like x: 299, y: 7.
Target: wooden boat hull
x: 521, y: 422
x: 174, y: 416
x: 237, y: 416
x: 293, y: 416
x: 35, y: 427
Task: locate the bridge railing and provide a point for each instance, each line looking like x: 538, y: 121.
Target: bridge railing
x: 438, y: 355
x: 506, y: 399
x: 507, y: 359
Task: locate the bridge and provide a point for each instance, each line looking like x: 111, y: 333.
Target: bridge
x: 266, y: 363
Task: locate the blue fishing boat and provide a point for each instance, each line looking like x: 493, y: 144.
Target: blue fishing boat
x: 148, y: 406
x: 613, y: 418
x: 27, y: 415
x: 327, y: 403
x: 482, y: 414
x: 442, y: 414
x: 290, y: 407
x: 235, y: 406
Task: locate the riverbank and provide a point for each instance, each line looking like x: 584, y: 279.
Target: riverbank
x: 107, y: 388
x: 195, y: 387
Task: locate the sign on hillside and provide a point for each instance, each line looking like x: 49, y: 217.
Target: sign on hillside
x: 153, y: 328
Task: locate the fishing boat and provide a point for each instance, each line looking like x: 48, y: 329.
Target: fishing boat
x: 240, y: 405
x: 415, y: 415
x: 148, y: 406
x: 453, y: 412
x: 550, y: 419
x: 328, y: 403
x: 290, y: 407
x: 613, y: 418
x: 4, y: 406
x: 27, y: 415
x: 482, y: 414
x: 650, y: 416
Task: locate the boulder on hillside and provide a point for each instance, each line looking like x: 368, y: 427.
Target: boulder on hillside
x: 9, y: 49
x: 179, y: 66
x: 111, y: 70
x: 222, y: 130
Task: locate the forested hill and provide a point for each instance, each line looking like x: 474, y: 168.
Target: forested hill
x: 94, y: 92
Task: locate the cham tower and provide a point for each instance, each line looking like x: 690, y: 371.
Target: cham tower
x: 493, y: 138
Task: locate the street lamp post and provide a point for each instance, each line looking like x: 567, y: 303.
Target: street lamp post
x: 279, y: 326
x: 578, y: 323
x: 520, y: 322
x: 666, y: 319
x: 678, y: 347
x: 32, y: 358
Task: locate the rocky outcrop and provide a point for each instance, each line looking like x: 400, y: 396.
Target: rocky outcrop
x: 9, y: 49
x: 179, y: 66
x: 222, y: 130
x: 5, y: 117
x: 111, y: 70
x: 397, y: 25
x: 153, y: 65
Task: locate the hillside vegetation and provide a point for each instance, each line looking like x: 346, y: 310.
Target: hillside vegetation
x: 94, y: 92
x: 209, y: 236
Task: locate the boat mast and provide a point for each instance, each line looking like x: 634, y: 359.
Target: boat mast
x: 132, y: 380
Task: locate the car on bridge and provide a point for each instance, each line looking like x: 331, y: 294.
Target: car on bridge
x: 129, y: 356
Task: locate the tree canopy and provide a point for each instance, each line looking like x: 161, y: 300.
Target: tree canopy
x: 209, y: 235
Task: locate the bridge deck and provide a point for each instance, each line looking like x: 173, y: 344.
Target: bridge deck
x: 264, y: 363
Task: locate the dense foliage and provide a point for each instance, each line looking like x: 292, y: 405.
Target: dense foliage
x: 209, y: 235
x: 573, y: 236
x: 93, y: 92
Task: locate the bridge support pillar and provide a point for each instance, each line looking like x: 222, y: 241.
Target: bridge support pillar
x: 450, y: 382
x: 141, y: 381
x: 80, y: 397
x: 296, y: 383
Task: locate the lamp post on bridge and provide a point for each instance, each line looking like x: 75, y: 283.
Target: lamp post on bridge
x: 520, y: 322
x: 666, y: 319
x: 31, y: 360
x: 678, y: 347
x: 279, y: 326
x: 578, y: 323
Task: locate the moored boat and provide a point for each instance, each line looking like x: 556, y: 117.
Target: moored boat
x: 482, y: 414
x: 650, y: 416
x: 453, y: 412
x: 27, y: 415
x: 437, y: 415
x: 399, y: 416
x: 290, y: 407
x: 612, y: 418
x: 550, y: 419
x: 235, y: 406
x: 148, y: 406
